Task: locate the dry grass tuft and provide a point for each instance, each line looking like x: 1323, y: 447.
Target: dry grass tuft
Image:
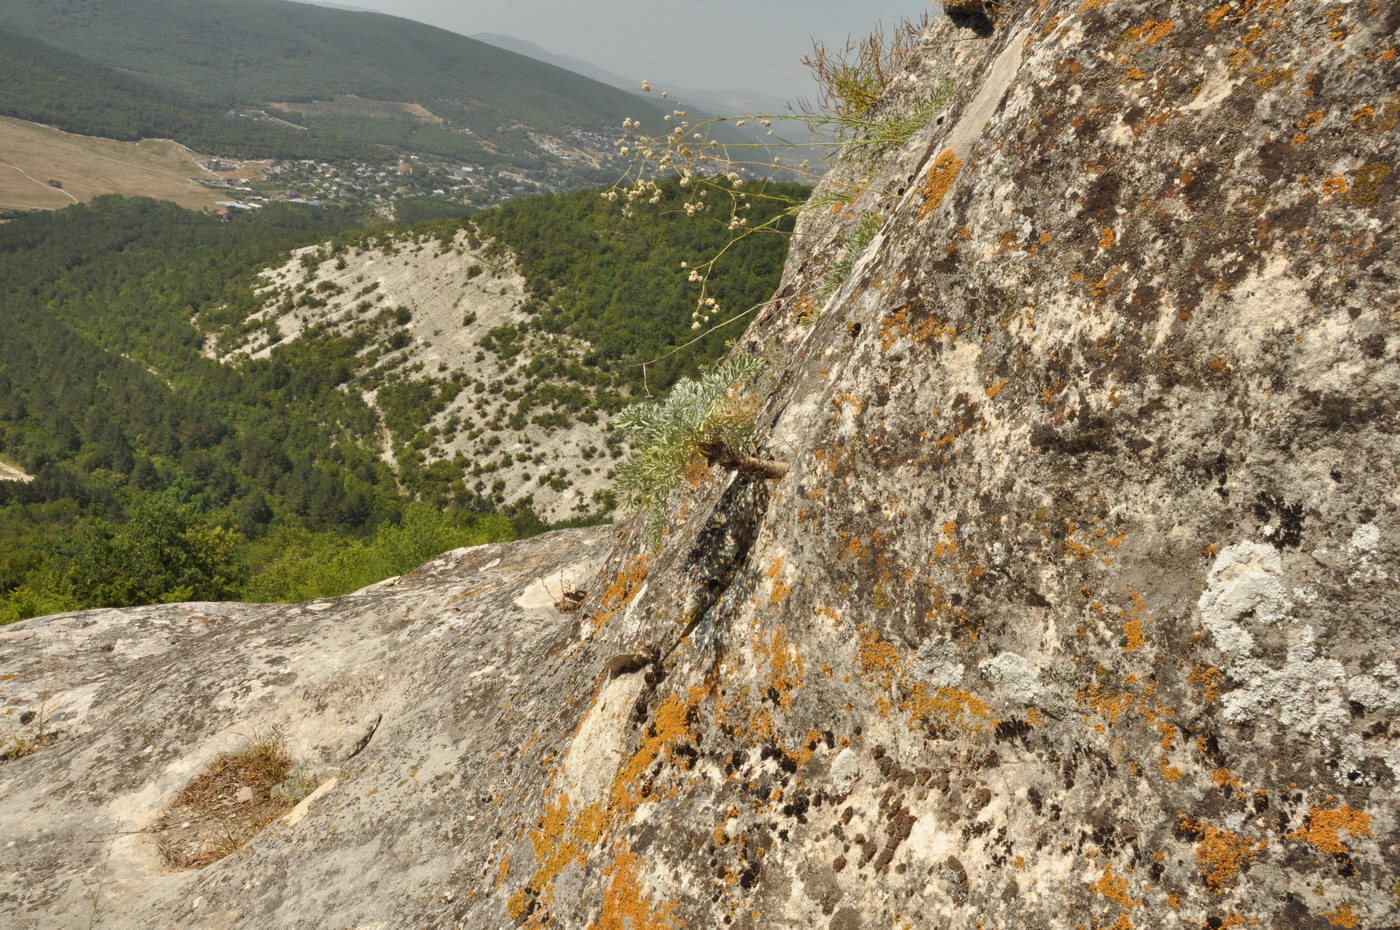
x: 231, y: 801
x: 853, y: 77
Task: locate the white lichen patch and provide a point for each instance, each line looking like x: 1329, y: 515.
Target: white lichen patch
x: 1245, y: 583
x: 845, y: 769
x: 1012, y: 675
x: 1364, y: 555
x: 937, y: 665
x: 1305, y: 693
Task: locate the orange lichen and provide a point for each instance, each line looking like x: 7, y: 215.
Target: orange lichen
x: 1107, y: 238
x: 947, y: 707
x: 1275, y: 78
x: 1207, y: 682
x: 1169, y: 772
x: 1115, y: 888
x: 1222, y: 854
x: 1151, y: 32
x: 805, y: 308
x: 897, y: 325
x: 623, y: 588
x: 694, y: 473
x: 1225, y: 778
x: 1337, y: 32
x: 877, y: 656
x: 787, y: 670
x: 1324, y: 827
x: 515, y: 905
x: 857, y: 403
x: 778, y: 590
x: 1343, y: 916
x: 939, y: 180
x: 995, y: 389
x: 1078, y: 551
x: 626, y: 905
x: 1111, y: 706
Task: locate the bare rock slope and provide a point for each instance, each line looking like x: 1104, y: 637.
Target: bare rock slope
x: 423, y: 309
x: 1076, y: 608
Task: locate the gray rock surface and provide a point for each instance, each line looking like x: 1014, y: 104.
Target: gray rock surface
x: 1075, y: 609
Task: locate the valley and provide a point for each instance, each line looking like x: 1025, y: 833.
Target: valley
x: 258, y: 80
x: 323, y: 398
x: 318, y: 286
x: 33, y: 155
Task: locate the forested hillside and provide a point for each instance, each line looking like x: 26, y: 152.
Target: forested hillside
x: 264, y: 473
x: 44, y: 83
x: 219, y: 74
x: 588, y: 264
x: 105, y: 398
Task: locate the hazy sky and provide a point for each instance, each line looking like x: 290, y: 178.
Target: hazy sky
x: 712, y: 44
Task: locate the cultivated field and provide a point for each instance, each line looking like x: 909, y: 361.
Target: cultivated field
x: 351, y: 105
x: 31, y: 155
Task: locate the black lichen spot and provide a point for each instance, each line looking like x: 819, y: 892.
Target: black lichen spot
x: 1373, y: 346
x: 1289, y: 530
x: 1013, y: 729
x: 1088, y: 436
x: 797, y: 807
x: 974, y: 15
x: 1103, y: 196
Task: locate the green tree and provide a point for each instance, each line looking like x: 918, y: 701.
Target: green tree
x: 165, y: 553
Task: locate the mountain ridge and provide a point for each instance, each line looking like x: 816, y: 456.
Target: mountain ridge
x: 212, y: 58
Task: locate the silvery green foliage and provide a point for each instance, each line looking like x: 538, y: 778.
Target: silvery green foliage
x: 300, y: 782
x: 667, y: 435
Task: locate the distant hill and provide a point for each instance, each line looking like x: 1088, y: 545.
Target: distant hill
x: 191, y: 67
x: 43, y: 83
x: 727, y: 102
x: 569, y: 62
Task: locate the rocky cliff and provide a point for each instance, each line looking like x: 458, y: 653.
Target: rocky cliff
x: 1076, y: 607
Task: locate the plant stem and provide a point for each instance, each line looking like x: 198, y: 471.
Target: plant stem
x: 718, y: 452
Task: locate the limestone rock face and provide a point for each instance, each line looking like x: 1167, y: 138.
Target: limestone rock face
x: 1076, y: 608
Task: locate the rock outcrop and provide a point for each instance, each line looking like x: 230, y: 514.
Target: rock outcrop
x: 1076, y: 607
